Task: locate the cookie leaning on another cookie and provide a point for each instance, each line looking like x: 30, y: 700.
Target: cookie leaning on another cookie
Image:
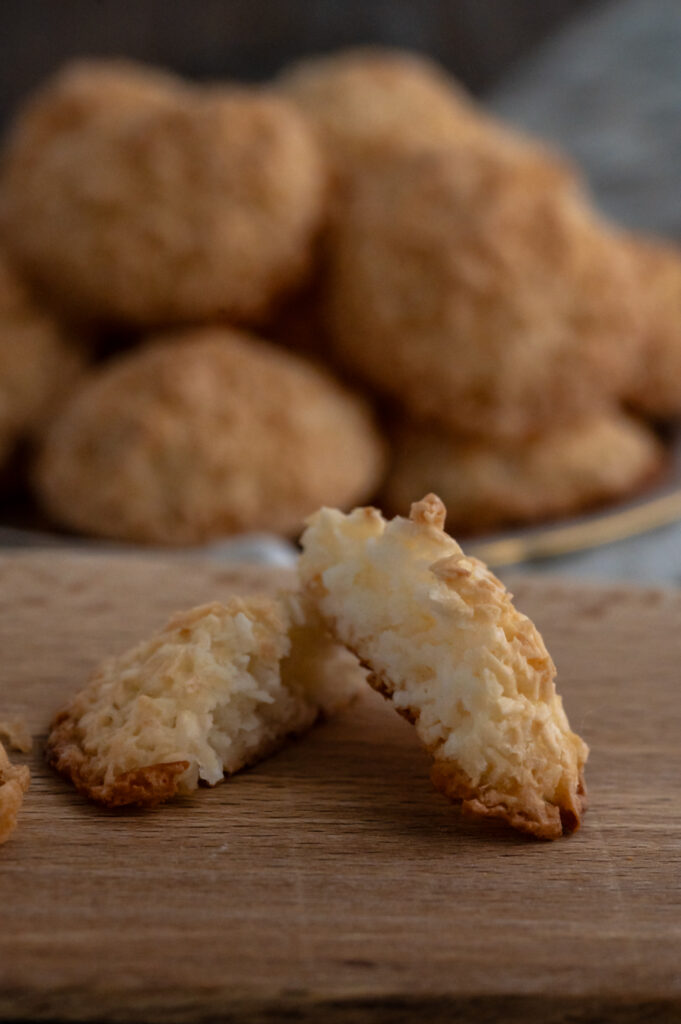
x: 442, y: 640
x: 14, y: 781
x: 219, y: 688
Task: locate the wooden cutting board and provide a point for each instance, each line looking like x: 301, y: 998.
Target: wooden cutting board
x: 331, y: 883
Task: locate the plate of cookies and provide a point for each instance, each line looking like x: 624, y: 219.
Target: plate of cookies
x: 223, y: 306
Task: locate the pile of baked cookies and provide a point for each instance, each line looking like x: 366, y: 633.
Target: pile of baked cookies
x: 223, y: 306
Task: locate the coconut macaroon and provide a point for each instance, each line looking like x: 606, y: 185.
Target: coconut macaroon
x: 360, y: 98
x: 481, y: 295
x: 364, y: 100
x: 135, y: 199
x: 559, y: 473
x: 112, y: 86
x: 443, y: 641
x: 205, y: 433
x: 14, y: 781
x: 656, y: 390
x: 39, y: 364
x: 220, y: 687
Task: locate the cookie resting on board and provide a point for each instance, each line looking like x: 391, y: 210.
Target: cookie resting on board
x: 443, y: 642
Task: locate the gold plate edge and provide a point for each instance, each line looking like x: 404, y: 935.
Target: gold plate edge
x: 563, y: 540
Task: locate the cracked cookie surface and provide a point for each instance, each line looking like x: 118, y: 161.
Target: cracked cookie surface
x: 443, y: 641
x: 220, y: 687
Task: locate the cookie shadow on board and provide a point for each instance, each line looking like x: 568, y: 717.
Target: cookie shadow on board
x: 369, y: 761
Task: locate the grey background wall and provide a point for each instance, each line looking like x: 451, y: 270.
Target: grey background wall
x: 479, y: 40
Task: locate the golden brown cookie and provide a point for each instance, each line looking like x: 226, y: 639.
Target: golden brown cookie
x: 133, y: 198
x: 364, y: 97
x: 39, y: 365
x: 482, y: 295
x: 14, y: 781
x: 205, y: 433
x: 559, y: 473
x: 443, y: 641
x: 114, y: 87
x: 656, y: 390
x: 220, y: 687
x: 362, y: 101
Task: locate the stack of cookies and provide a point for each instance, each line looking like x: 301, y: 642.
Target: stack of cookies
x: 515, y: 338
x: 346, y: 282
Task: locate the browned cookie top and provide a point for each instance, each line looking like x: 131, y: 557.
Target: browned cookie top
x: 132, y: 197
x: 478, y: 291
x: 203, y: 433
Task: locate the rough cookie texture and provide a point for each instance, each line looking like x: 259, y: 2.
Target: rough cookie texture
x: 481, y: 294
x: 134, y: 198
x: 362, y: 101
x: 206, y: 433
x: 39, y: 366
x: 220, y: 687
x: 360, y: 98
x: 656, y: 390
x: 14, y: 781
x: 442, y: 640
x: 488, y: 485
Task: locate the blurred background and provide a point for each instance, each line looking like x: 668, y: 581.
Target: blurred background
x: 599, y: 76
x: 478, y: 40
x: 602, y: 80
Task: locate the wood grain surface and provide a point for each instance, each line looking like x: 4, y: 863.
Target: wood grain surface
x: 331, y: 883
